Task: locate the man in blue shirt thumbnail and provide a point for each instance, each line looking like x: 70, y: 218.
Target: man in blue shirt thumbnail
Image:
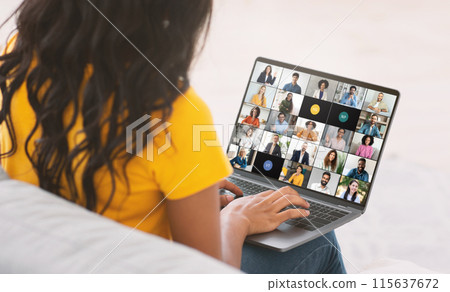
x: 293, y: 86
x: 350, y: 98
x: 359, y: 173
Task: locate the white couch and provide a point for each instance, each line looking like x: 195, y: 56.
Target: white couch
x: 42, y: 233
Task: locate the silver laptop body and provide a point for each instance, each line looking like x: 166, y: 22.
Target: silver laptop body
x: 341, y: 111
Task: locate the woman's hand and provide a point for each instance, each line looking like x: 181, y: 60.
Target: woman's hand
x: 256, y: 214
x: 261, y: 213
x: 228, y: 186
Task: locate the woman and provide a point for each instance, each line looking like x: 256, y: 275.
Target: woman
x: 308, y: 133
x: 321, y: 93
x: 247, y: 141
x: 286, y: 104
x: 365, y: 149
x: 240, y: 161
x: 351, y: 194
x: 337, y: 142
x: 297, y: 177
x: 330, y: 161
x: 252, y: 119
x: 71, y: 87
x: 259, y: 98
x: 266, y: 76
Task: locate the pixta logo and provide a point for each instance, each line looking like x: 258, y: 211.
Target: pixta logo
x: 140, y: 127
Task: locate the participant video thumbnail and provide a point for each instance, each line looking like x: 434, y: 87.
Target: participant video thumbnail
x: 321, y: 88
x: 308, y: 130
x: 336, y: 138
x: 247, y: 136
x: 295, y: 173
x: 267, y: 165
x: 315, y: 109
x: 343, y: 117
x: 352, y: 190
x: 350, y: 95
x: 254, y: 115
x: 260, y: 95
x: 323, y: 181
x: 379, y: 103
x: 267, y: 74
x: 281, y: 123
x: 359, y: 168
x: 330, y: 159
x: 293, y: 81
x: 240, y: 157
x: 366, y: 146
x: 287, y: 102
x: 274, y: 144
x: 372, y: 124
x: 302, y: 151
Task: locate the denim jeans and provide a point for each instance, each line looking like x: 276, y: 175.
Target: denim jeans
x: 318, y: 256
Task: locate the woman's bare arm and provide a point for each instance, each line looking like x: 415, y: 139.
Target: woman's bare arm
x: 195, y: 220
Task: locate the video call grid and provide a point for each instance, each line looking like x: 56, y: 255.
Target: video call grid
x: 319, y: 141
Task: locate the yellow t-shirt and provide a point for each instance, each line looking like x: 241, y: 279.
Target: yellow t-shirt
x: 188, y: 166
x: 257, y: 101
x: 296, y: 179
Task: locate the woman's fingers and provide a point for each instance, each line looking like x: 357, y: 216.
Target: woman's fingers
x: 287, y: 191
x: 288, y: 200
x: 227, y: 185
x: 225, y: 200
x: 266, y: 193
x: 291, y: 214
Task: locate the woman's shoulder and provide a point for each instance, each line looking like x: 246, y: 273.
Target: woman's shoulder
x: 190, y: 116
x: 190, y: 104
x: 188, y: 142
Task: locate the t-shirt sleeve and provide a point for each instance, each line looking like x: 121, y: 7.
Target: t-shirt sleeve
x: 187, y: 156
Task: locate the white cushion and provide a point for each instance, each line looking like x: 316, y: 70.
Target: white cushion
x: 3, y: 174
x: 42, y: 233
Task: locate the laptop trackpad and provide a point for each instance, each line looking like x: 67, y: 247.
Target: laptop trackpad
x: 284, y: 238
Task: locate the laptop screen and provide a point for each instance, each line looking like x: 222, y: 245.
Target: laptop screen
x: 311, y: 129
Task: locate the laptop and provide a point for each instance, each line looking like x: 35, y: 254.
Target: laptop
x: 319, y: 133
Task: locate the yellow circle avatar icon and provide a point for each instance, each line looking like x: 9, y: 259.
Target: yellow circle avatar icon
x: 315, y: 109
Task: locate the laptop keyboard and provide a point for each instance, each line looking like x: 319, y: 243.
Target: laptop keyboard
x: 247, y: 187
x: 320, y: 216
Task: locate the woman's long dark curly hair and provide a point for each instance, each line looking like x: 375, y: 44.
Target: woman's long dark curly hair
x: 64, y: 38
